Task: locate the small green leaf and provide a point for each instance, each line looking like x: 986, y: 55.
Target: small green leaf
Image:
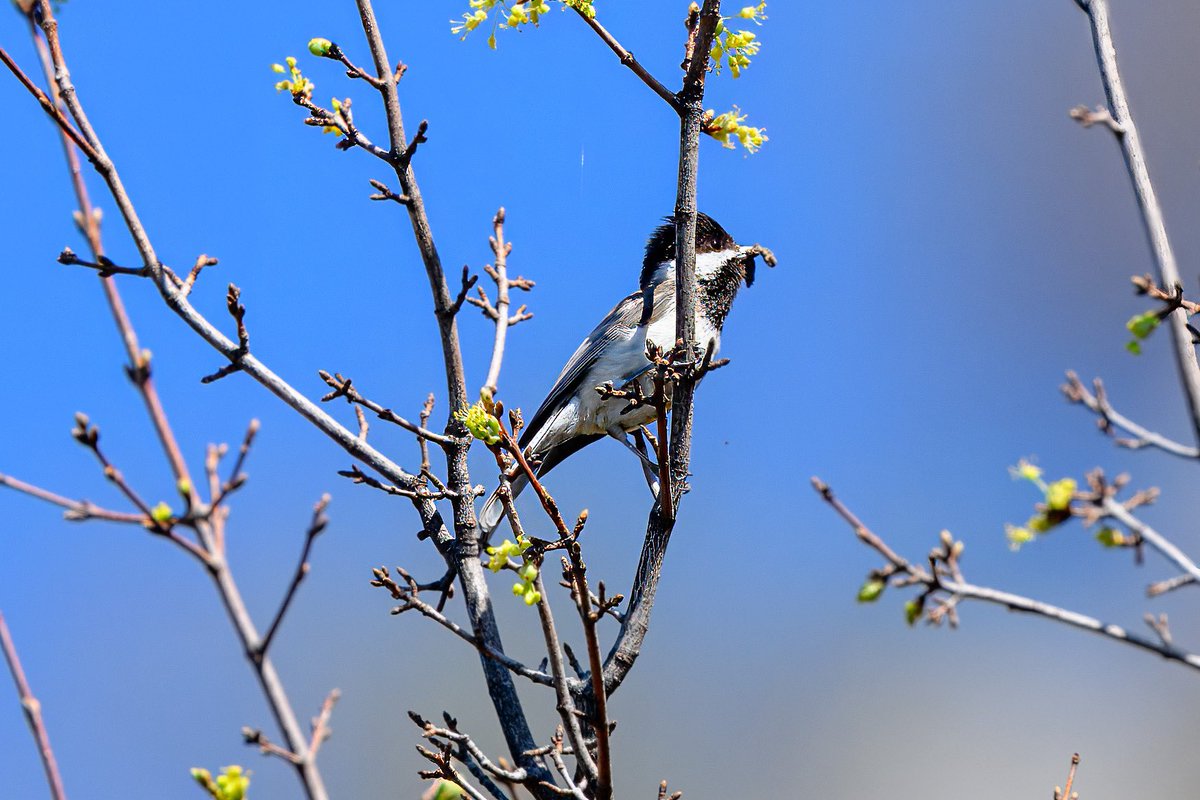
x: 1110, y: 537
x: 1142, y: 325
x: 912, y: 612
x: 870, y: 591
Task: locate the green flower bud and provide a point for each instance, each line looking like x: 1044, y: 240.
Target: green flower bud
x: 480, y: 423
x: 912, y: 612
x: 319, y: 47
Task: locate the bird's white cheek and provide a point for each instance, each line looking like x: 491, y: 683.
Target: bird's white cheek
x: 709, y: 264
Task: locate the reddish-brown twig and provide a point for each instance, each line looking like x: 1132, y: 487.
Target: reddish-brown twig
x: 33, y: 713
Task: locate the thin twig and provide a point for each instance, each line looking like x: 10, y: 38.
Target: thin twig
x: 1168, y: 549
x: 76, y: 510
x: 1109, y: 418
x: 578, y: 576
x: 932, y: 582
x: 411, y: 601
x: 1065, y: 793
x: 499, y: 273
x: 319, y: 521
x: 566, y: 704
x: 628, y: 60
x: 320, y: 725
x: 33, y: 713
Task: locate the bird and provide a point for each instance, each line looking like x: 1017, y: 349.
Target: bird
x: 575, y: 413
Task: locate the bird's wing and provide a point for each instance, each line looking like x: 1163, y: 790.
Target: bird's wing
x: 617, y: 327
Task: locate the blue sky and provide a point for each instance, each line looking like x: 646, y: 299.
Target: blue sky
x: 949, y: 243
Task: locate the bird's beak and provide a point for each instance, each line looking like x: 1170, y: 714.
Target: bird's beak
x: 749, y: 253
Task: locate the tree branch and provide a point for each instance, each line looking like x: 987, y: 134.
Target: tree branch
x: 662, y: 518
x: 628, y: 60
x: 319, y: 521
x: 1130, y: 141
x: 33, y: 713
x: 1109, y: 418
x: 935, y: 581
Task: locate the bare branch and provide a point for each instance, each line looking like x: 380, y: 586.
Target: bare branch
x: 1109, y: 419
x: 76, y: 510
x: 628, y: 60
x: 33, y: 713
x: 408, y: 595
x: 499, y: 313
x: 935, y: 581
x: 319, y: 521
x: 1167, y: 548
x: 1152, y: 215
x: 1066, y: 793
x: 344, y: 387
x: 320, y: 725
x: 451, y: 733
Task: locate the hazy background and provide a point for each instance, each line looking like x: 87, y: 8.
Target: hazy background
x: 949, y: 243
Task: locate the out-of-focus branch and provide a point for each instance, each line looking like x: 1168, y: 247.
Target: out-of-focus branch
x: 175, y: 298
x: 1109, y: 419
x: 1065, y: 793
x: 138, y: 368
x: 1168, y: 549
x: 208, y: 522
x: 76, y: 510
x: 319, y: 521
x: 33, y: 713
x: 1126, y: 133
x: 936, y: 581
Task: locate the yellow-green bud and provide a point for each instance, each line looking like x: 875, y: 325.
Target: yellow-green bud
x: 1018, y: 536
x: 161, y: 513
x: 480, y: 423
x: 871, y: 590
x: 1059, y: 494
x: 319, y: 47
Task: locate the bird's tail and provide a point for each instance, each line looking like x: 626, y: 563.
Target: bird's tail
x: 493, y: 510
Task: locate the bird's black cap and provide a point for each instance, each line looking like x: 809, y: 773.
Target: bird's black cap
x: 710, y: 238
